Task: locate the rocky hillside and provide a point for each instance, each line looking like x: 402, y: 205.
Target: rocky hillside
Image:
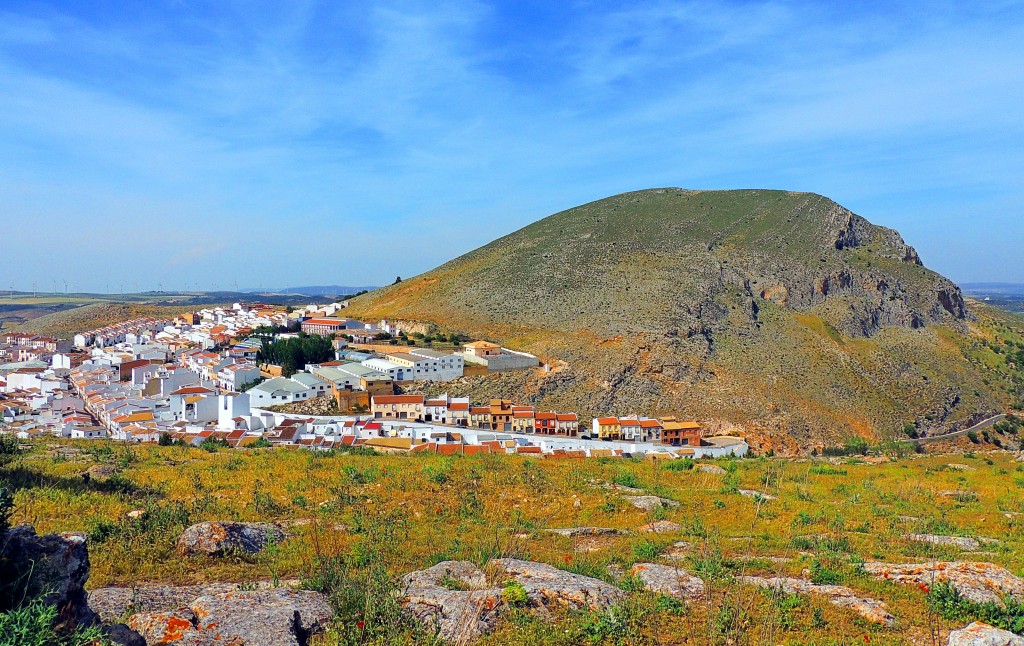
x: 781, y: 314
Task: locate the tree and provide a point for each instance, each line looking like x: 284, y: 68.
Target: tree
x: 397, y: 280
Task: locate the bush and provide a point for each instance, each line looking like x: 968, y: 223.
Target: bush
x: 627, y: 479
x: 34, y: 624
x: 946, y: 600
x: 514, y: 594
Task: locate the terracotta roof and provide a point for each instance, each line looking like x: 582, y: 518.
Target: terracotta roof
x: 398, y: 399
x: 608, y: 421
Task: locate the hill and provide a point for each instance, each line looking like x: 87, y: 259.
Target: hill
x: 66, y: 323
x: 783, y: 314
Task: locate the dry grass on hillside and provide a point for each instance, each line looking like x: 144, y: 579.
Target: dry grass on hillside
x: 400, y: 512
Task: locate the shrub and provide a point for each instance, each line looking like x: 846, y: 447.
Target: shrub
x: 822, y: 575
x: 514, y: 594
x: 945, y: 600
x: 627, y: 479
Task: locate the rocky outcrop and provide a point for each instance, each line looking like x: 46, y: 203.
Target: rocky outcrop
x: 453, y: 598
x: 980, y: 582
x: 215, y: 538
x: 650, y: 503
x: 258, y: 618
x: 546, y: 585
x: 871, y: 609
x: 457, y: 599
x: 112, y: 603
x: 57, y: 567
x: 981, y: 634
x: 671, y: 581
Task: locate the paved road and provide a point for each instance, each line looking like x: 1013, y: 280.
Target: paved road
x: 977, y: 427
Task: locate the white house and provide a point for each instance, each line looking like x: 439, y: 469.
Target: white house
x: 319, y: 387
x: 278, y: 390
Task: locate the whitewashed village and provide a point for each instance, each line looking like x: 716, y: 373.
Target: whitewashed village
x: 202, y: 379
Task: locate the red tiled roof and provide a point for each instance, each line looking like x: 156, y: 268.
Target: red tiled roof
x: 398, y: 399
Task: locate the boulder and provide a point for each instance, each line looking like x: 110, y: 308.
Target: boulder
x: 660, y: 527
x: 454, y: 599
x: 871, y: 609
x: 546, y: 585
x: 113, y: 603
x: 59, y: 567
x: 650, y: 503
x: 979, y: 634
x: 980, y: 582
x: 959, y: 467
x: 671, y: 581
x: 256, y: 618
x: 961, y: 542
x: 217, y: 538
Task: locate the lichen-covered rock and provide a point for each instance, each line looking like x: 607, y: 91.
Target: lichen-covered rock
x: 961, y: 542
x: 660, y: 527
x: 225, y: 537
x: 871, y: 609
x: 57, y: 567
x: 454, y: 599
x: 252, y: 618
x: 112, y: 603
x: 668, y: 580
x: 547, y: 585
x: 650, y: 503
x: 980, y: 634
x: 981, y: 582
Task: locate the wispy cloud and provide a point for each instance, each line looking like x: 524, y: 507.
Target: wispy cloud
x: 428, y: 128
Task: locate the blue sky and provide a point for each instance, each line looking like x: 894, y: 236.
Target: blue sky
x: 184, y: 143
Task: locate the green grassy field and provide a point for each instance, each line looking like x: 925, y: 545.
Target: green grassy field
x: 371, y: 518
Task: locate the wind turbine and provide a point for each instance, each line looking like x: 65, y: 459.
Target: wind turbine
x: 65, y: 287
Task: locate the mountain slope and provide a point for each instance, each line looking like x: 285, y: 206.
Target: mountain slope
x: 781, y: 313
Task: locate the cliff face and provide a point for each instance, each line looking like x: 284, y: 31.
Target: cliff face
x: 755, y: 308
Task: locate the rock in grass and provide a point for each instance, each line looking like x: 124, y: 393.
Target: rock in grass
x: 217, y: 538
x: 453, y: 598
x: 980, y: 582
x: 871, y: 609
x: 751, y: 493
x: 981, y: 634
x: 961, y: 542
x: 710, y: 468
x: 257, y: 618
x: 668, y: 580
x: 660, y: 527
x: 546, y: 585
x: 112, y: 603
x: 650, y: 503
x: 585, y: 531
